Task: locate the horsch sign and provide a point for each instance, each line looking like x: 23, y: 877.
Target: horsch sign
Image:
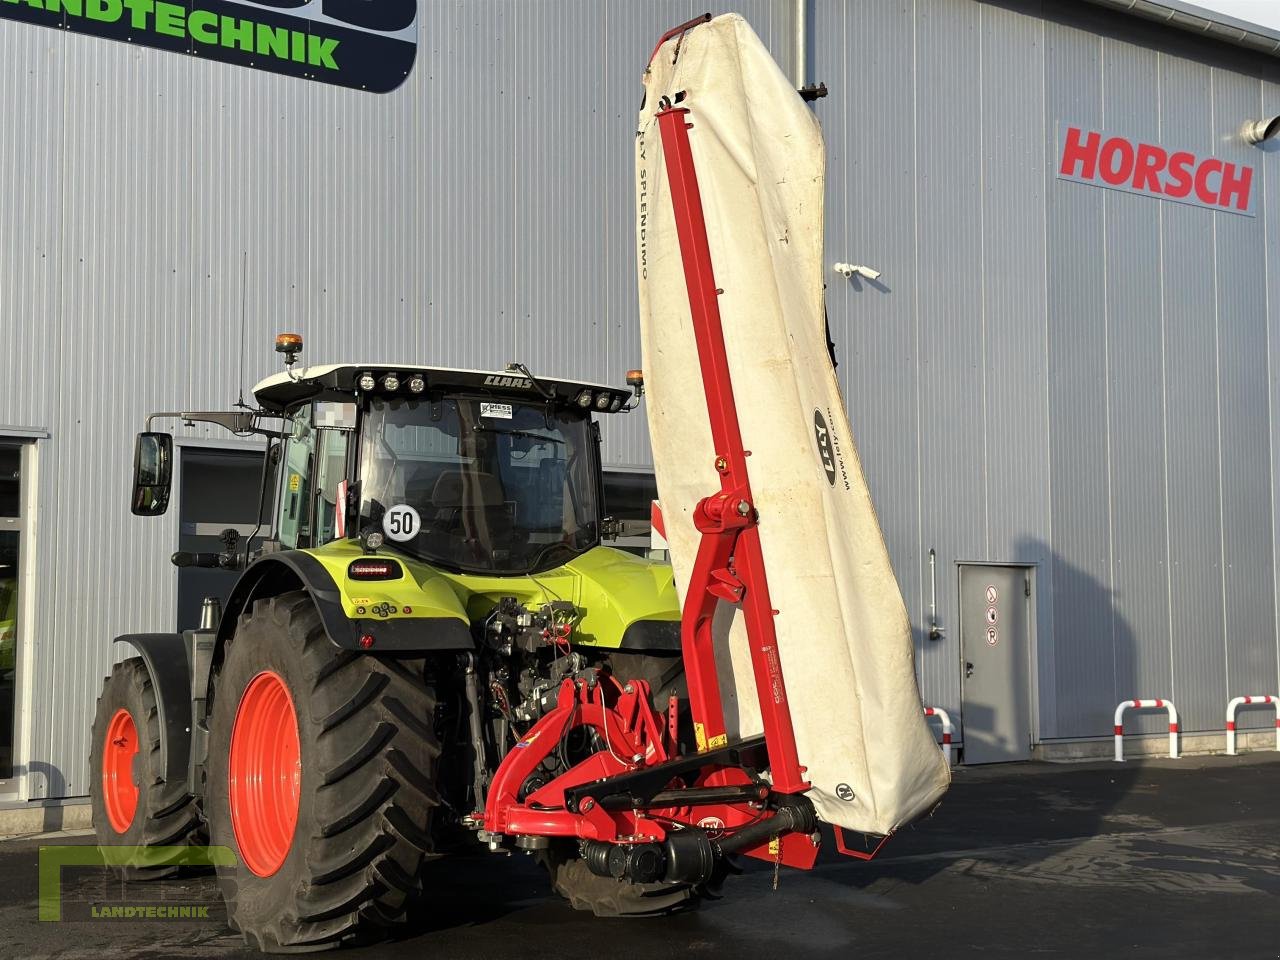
x: 1120, y: 163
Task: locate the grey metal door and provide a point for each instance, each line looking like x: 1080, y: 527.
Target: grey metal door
x: 218, y: 489
x: 994, y: 649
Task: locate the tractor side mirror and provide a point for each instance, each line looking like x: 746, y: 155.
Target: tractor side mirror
x: 152, y: 474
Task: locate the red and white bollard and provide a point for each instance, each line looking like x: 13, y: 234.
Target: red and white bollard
x: 1239, y: 702
x: 1146, y: 705
x: 657, y: 528
x: 945, y: 719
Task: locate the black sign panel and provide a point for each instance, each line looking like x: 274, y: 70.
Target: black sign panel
x: 363, y: 44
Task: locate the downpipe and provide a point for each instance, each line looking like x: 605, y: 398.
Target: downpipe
x: 689, y: 855
x: 802, y: 43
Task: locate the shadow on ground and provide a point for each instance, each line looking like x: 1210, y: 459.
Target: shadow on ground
x: 1175, y: 859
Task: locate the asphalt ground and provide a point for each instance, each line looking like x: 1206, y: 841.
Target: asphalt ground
x: 1162, y: 858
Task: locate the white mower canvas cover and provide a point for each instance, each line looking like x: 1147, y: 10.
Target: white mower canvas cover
x: 843, y: 632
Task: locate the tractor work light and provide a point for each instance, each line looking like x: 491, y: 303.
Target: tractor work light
x: 391, y: 383
x: 417, y: 384
x: 366, y: 382
x: 617, y: 404
x: 584, y: 399
x: 380, y: 569
x: 602, y: 401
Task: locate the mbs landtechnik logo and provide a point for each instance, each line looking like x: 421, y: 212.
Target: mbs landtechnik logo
x: 352, y: 43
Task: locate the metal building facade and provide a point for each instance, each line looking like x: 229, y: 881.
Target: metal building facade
x: 480, y: 213
x: 1054, y: 374
x: 1047, y: 373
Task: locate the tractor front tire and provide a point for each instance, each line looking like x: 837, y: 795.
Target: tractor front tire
x: 133, y: 805
x: 607, y: 897
x: 321, y: 780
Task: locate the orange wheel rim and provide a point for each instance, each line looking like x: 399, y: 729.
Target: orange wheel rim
x: 119, y: 792
x: 265, y: 774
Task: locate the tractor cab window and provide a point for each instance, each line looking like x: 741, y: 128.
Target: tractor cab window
x: 331, y: 474
x: 294, y: 526
x: 312, y: 485
x: 496, y: 487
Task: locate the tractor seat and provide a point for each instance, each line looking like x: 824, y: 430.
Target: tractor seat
x: 455, y: 490
x: 472, y: 510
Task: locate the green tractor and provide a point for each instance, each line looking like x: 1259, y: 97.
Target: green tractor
x: 434, y: 572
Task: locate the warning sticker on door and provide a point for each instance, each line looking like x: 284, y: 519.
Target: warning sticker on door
x: 993, y: 636
x: 992, y: 593
x: 993, y: 615
x: 498, y: 411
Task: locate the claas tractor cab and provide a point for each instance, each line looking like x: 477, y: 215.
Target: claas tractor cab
x: 436, y: 570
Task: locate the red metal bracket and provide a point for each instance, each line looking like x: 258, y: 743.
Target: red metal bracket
x: 676, y: 31
x: 729, y: 565
x: 632, y: 736
x: 858, y: 854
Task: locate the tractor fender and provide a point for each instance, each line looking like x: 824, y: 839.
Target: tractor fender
x: 277, y: 573
x: 165, y: 657
x: 651, y: 635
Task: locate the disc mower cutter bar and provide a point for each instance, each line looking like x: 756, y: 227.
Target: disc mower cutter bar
x: 636, y: 792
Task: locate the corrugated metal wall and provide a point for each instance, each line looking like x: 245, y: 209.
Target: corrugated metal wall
x: 480, y: 213
x: 1050, y: 373
x: 1046, y: 373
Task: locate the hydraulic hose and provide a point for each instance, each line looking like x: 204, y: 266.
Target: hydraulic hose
x: 472, y: 693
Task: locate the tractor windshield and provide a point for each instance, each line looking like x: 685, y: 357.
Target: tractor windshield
x: 477, y: 485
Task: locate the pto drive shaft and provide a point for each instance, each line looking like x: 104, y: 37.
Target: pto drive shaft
x: 689, y: 855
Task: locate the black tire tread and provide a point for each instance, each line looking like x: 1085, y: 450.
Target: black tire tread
x: 607, y: 897
x: 171, y: 814
x: 376, y: 747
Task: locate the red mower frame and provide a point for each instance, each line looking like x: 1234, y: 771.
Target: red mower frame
x: 638, y: 791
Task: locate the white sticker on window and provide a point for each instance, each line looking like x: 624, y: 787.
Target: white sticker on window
x: 401, y: 523
x: 500, y: 411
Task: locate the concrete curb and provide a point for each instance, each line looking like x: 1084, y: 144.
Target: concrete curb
x: 33, y: 818
x: 1137, y: 745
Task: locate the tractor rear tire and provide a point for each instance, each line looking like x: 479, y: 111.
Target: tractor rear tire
x: 133, y: 805
x: 607, y: 897
x: 351, y: 738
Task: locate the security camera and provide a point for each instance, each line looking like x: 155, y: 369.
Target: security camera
x: 850, y: 270
x: 1259, y: 131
